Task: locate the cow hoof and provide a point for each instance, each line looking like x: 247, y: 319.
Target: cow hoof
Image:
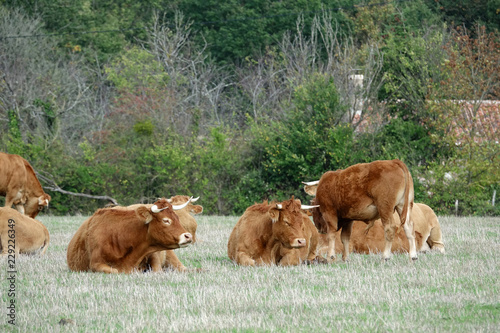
x: 414, y: 258
x: 318, y: 260
x: 331, y: 260
x: 387, y: 259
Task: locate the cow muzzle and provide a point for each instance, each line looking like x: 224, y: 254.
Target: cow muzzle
x: 298, y: 242
x: 185, y: 239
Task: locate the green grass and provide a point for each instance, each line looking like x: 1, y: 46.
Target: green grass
x: 455, y: 292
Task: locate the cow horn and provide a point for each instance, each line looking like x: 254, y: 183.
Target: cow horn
x: 316, y: 182
x: 279, y: 206
x: 177, y: 207
x: 195, y: 199
x: 155, y: 209
x: 308, y: 207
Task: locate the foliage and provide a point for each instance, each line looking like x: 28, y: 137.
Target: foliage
x: 309, y: 140
x: 404, y: 140
x: 135, y: 68
x: 148, y: 109
x: 460, y: 111
x: 411, y: 70
x: 445, y: 187
x: 236, y: 32
x: 468, y: 13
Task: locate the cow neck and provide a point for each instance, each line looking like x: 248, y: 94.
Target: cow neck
x: 266, y: 231
x: 33, y: 184
x: 142, y: 243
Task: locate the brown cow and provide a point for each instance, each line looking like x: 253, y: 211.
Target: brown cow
x: 366, y: 239
x: 21, y: 233
x: 168, y: 258
x: 365, y: 192
x: 427, y: 235
x: 116, y: 240
x: 275, y: 233
x: 20, y: 186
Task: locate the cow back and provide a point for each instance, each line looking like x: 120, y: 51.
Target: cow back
x: 31, y: 236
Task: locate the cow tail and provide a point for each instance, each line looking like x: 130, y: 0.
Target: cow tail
x: 408, y: 187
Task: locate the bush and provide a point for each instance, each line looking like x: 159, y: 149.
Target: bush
x: 441, y: 186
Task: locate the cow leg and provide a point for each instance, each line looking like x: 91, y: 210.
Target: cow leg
x: 104, y: 268
x: 172, y: 261
x: 332, y: 226
x: 290, y: 259
x: 244, y: 259
x: 155, y: 262
x: 345, y: 237
x: 389, y: 232
x: 435, y: 240
x: 97, y: 265
x: 20, y: 208
x: 410, y: 234
x: 15, y: 200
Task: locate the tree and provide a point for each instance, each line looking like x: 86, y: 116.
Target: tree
x: 468, y: 13
x: 46, y: 96
x: 462, y: 111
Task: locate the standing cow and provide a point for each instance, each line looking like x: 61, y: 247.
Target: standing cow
x: 116, y: 240
x: 21, y: 233
x: 20, y: 186
x: 371, y: 240
x: 365, y: 192
x: 273, y: 233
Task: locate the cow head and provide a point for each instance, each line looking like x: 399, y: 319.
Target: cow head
x: 181, y: 199
x: 319, y: 222
x: 310, y: 188
x: 288, y: 223
x: 34, y: 205
x: 164, y: 228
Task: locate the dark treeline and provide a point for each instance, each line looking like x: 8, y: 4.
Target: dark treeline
x: 238, y: 102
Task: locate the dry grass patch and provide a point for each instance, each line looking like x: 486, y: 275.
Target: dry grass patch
x: 457, y: 292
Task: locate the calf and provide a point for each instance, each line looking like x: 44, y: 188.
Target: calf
x: 275, y: 233
x: 22, y: 233
x: 116, y: 240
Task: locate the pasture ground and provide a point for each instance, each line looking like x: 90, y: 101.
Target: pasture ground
x: 455, y: 292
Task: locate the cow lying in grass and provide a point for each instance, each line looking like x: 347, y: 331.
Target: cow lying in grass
x: 21, y: 233
x: 274, y: 233
x: 168, y: 259
x: 116, y: 240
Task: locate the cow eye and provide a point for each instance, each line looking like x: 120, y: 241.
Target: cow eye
x: 167, y: 221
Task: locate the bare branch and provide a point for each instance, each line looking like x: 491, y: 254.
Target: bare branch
x: 55, y: 188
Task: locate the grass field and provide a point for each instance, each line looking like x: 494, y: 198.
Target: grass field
x: 455, y: 292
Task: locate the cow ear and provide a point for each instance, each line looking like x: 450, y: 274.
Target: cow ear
x: 274, y: 213
x: 196, y: 209
x: 144, y: 213
x: 311, y: 189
